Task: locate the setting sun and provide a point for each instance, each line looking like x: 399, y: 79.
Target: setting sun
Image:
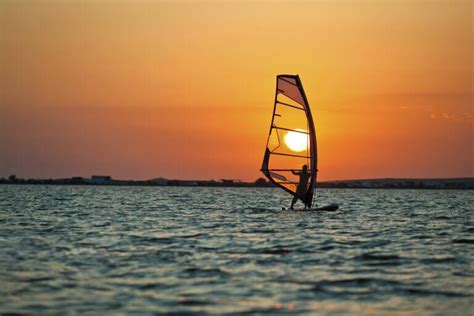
x: 296, y: 141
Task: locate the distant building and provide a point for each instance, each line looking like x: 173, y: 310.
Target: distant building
x: 101, y: 180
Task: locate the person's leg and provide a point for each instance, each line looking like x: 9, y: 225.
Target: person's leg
x: 293, y: 202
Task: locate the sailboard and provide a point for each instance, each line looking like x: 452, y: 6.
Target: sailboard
x: 291, y: 143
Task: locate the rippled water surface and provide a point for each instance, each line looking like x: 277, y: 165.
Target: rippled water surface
x: 152, y: 250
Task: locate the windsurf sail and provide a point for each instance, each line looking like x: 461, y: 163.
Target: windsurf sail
x: 291, y: 142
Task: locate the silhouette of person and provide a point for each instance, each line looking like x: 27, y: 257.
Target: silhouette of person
x: 302, y: 185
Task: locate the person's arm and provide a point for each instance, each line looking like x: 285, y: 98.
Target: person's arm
x: 296, y: 173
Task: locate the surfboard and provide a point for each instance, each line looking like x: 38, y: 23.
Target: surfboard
x: 327, y: 208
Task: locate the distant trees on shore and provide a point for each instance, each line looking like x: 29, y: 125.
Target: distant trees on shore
x: 456, y: 183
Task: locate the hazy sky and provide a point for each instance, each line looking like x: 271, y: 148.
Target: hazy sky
x: 185, y: 89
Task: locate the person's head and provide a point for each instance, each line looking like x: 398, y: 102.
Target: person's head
x: 305, y: 168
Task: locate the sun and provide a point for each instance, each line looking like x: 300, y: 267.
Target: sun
x: 296, y: 141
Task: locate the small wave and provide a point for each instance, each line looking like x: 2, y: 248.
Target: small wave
x: 190, y: 236
x: 194, y: 271
x: 154, y: 286
x: 162, y: 239
x: 464, y: 274
x: 350, y: 283
x: 48, y: 229
x: 424, y: 292
x: 442, y: 217
x: 102, y: 224
x: 257, y: 231
x: 263, y: 210
x: 16, y: 314
x: 150, y: 239
x: 277, y: 250
x: 61, y: 199
x: 37, y: 279
x: 189, y: 301
x: 438, y: 260
x: 374, y: 243
x: 463, y: 241
x: 421, y: 237
x: 372, y: 256
x: 326, y: 248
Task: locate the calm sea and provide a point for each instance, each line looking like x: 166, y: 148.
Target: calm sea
x: 182, y: 250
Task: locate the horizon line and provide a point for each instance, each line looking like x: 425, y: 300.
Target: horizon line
x: 244, y: 181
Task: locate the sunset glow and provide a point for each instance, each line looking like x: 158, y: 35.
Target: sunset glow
x: 184, y: 89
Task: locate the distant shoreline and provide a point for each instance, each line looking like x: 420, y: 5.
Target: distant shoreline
x: 389, y: 183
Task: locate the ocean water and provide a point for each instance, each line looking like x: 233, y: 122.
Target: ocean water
x: 181, y: 250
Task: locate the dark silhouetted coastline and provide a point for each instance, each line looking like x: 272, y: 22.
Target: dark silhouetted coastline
x: 388, y: 183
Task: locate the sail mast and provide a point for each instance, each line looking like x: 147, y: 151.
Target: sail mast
x: 312, y: 147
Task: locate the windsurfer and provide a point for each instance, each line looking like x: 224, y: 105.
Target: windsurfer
x: 302, y: 185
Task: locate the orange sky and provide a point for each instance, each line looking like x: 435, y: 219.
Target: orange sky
x: 185, y: 89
